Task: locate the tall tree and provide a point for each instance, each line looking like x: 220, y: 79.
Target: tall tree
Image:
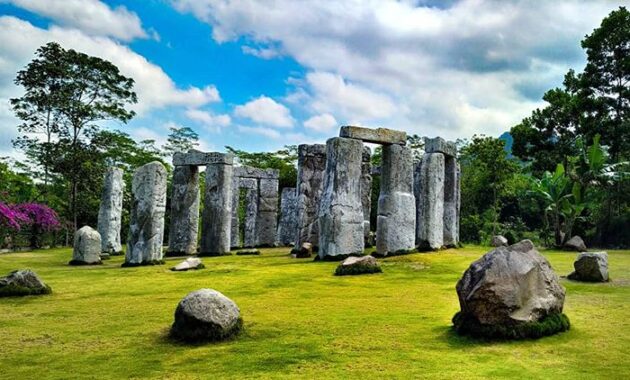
x: 83, y: 91
x: 180, y: 140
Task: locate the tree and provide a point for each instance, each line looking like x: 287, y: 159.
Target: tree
x: 66, y: 94
x: 180, y: 140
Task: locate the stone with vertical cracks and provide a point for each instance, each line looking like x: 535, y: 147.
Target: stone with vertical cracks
x: 110, y: 212
x: 87, y: 247
x: 311, y: 170
x: 341, y: 213
x: 287, y: 226
x: 267, y: 217
x: 430, y: 213
x: 217, y: 213
x: 184, y: 223
x: 451, y: 183
x: 146, y: 225
x: 366, y: 192
x: 396, y: 221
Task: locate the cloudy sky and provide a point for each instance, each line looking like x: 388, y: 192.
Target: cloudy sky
x: 257, y: 75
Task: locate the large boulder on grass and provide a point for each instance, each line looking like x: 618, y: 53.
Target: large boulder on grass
x: 354, y: 265
x: 22, y: 283
x: 87, y: 247
x: 511, y: 292
x: 575, y: 244
x: 590, y: 267
x: 206, y: 315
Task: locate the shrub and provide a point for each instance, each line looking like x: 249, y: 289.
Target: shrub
x: 549, y: 325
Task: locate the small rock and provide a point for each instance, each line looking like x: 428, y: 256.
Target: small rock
x: 87, y: 247
x: 206, y: 315
x: 246, y: 252
x: 354, y: 265
x: 575, y: 244
x: 189, y: 263
x: 499, y: 241
x: 23, y: 283
x: 305, y: 251
x: 590, y: 267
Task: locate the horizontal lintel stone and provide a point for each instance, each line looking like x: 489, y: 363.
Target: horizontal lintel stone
x: 197, y: 158
x: 250, y: 172
x: 377, y: 136
x: 439, y: 145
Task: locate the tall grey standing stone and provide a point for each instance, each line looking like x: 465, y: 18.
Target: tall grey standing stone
x: 251, y: 211
x: 146, y: 226
x: 267, y: 216
x: 184, y: 225
x: 287, y: 226
x: 217, y: 213
x: 396, y: 221
x: 311, y: 170
x: 451, y: 233
x: 430, y: 214
x: 235, y: 228
x: 417, y: 192
x: 366, y: 191
x: 340, y: 212
x: 87, y: 247
x: 110, y: 212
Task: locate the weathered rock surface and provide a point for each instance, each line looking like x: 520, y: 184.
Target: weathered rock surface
x: 430, y: 213
x: 184, y: 222
x: 251, y: 172
x: 374, y: 135
x: 590, y: 267
x: 355, y: 265
x: 575, y: 244
x: 287, y: 227
x: 396, y: 221
x: 305, y: 251
x: 110, y: 212
x: 499, y: 241
x: 22, y: 283
x: 198, y: 158
x: 510, y: 286
x: 244, y: 232
x: 267, y: 216
x: 206, y: 315
x: 87, y: 247
x: 341, y: 213
x: 217, y: 213
x: 189, y: 263
x: 146, y: 226
x: 310, y: 181
x: 439, y: 145
x: 366, y: 192
x: 451, y: 194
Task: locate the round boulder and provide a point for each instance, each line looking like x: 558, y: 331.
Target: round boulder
x: 22, y: 283
x: 590, y: 267
x: 510, y: 293
x: 87, y: 247
x: 206, y: 315
x: 354, y: 265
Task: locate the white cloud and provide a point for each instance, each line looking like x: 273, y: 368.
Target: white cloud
x: 90, y: 16
x: 265, y: 110
x: 451, y: 68
x: 321, y: 123
x: 208, y: 120
x: 276, y: 139
x: 261, y: 52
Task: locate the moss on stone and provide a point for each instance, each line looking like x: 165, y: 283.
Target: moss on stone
x: 400, y: 252
x: 12, y: 290
x: 213, y: 254
x: 549, y: 325
x: 81, y: 262
x: 194, y: 332
x: 337, y: 257
x: 144, y: 263
x: 353, y: 270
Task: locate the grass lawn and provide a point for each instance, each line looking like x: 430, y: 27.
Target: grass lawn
x: 300, y: 321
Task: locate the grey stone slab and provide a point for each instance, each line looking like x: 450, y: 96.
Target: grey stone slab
x: 197, y: 158
x: 311, y: 170
x: 184, y: 217
x: 287, y: 226
x: 251, y: 172
x: 439, y: 145
x: 430, y: 214
x: 110, y: 211
x: 217, y: 213
x: 396, y: 221
x: 451, y: 232
x: 341, y: 213
x: 366, y: 191
x: 374, y: 135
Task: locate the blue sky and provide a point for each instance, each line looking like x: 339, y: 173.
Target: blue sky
x: 257, y: 75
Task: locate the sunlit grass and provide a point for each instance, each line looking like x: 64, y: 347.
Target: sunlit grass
x: 300, y: 321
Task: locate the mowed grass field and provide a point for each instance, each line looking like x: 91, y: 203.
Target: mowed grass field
x: 300, y: 321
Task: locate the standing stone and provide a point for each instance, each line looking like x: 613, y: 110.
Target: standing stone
x: 341, y: 213
x: 87, y: 247
x: 110, y: 212
x: 235, y: 228
x: 430, y: 214
x: 217, y: 213
x: 311, y: 170
x: 366, y: 192
x: 396, y: 221
x: 287, y: 227
x: 182, y: 238
x: 451, y: 233
x: 146, y: 225
x: 417, y: 192
x: 267, y: 217
x: 251, y: 211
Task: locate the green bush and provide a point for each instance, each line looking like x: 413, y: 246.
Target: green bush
x: 13, y: 290
x: 549, y: 325
x: 353, y: 270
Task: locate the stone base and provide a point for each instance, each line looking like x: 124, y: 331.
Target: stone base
x: 13, y: 290
x: 144, y: 263
x: 549, y: 325
x: 400, y: 252
x: 105, y: 256
x: 202, y: 335
x: 80, y: 262
x: 337, y: 257
x: 213, y: 254
x: 178, y: 253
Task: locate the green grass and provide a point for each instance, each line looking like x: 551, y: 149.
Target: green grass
x: 300, y: 321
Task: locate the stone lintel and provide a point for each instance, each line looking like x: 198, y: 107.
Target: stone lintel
x: 251, y: 172
x: 377, y: 135
x: 198, y: 158
x: 439, y: 145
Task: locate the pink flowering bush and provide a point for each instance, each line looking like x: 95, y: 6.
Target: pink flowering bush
x: 38, y: 217
x: 11, y: 218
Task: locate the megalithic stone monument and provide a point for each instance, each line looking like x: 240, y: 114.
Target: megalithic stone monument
x: 110, y: 212
x: 287, y: 226
x: 217, y: 213
x: 311, y: 170
x: 184, y: 218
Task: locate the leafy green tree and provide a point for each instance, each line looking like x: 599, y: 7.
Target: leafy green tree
x: 67, y: 93
x: 181, y: 140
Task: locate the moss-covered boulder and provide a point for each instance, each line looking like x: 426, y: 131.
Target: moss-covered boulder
x: 354, y: 265
x: 22, y: 283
